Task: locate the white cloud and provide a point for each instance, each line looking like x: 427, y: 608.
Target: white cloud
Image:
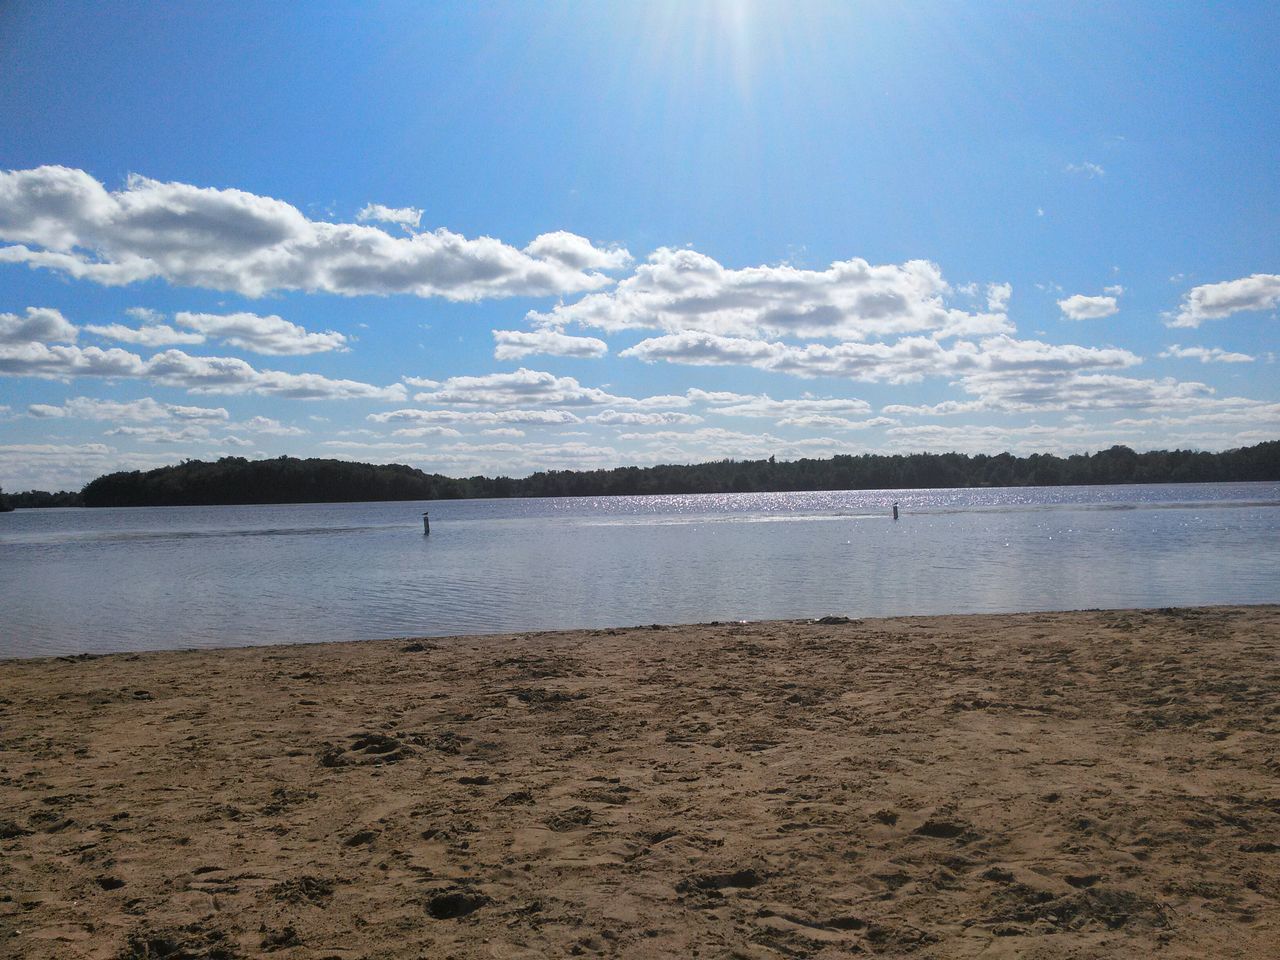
x: 577, y: 253
x: 515, y: 344
x: 37, y: 323
x: 428, y: 432
x: 704, y: 349
x: 232, y: 375
x: 906, y: 360
x: 405, y: 216
x: 177, y: 369
x: 806, y: 411
x: 683, y: 290
x: 1029, y: 438
x: 1214, y: 301
x: 269, y: 334
x: 59, y: 466
x: 149, y: 335
x: 998, y: 295
x: 1080, y: 307
x: 63, y: 219
x: 248, y: 331
x: 1070, y: 437
x: 1087, y: 169
x: 89, y: 408
x: 1226, y: 410
x: 1206, y: 354
x: 59, y: 362
x: 698, y: 395
x: 156, y: 434
x: 1042, y: 390
x: 476, y: 416
x: 945, y: 408
x: 634, y: 418
x: 716, y: 435
x: 766, y: 406
x: 835, y: 423
x: 513, y: 389
x: 270, y: 427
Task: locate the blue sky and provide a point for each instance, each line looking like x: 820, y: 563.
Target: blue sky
x: 505, y: 237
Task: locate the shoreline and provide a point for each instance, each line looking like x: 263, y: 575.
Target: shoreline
x: 528, y: 635
x: 1059, y: 784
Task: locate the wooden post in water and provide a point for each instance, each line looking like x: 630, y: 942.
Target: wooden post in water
x: 426, y: 526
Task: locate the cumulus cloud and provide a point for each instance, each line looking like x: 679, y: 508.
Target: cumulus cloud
x: 472, y: 417
x: 577, y: 253
x: 158, y: 434
x: 177, y: 369
x: 148, y: 335
x: 405, y: 216
x: 943, y: 409
x: 269, y: 334
x: 34, y: 464
x: 683, y: 290
x: 232, y: 375
x: 802, y: 411
x: 1215, y: 301
x: 633, y: 418
x: 1206, y: 354
x: 834, y: 423
x: 248, y: 331
x: 1229, y: 410
x: 66, y: 466
x: 765, y: 406
x: 270, y: 427
x: 526, y: 386
x: 36, y: 323
x: 998, y: 296
x: 89, y: 408
x: 436, y: 431
x: 515, y: 344
x: 904, y: 361
x: 706, y: 349
x: 59, y: 362
x: 63, y: 219
x: 1024, y: 439
x: 1081, y: 307
x: 1030, y: 391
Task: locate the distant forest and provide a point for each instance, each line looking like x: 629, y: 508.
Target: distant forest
x: 289, y: 480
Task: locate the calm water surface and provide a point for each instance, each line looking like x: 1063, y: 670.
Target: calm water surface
x: 154, y: 578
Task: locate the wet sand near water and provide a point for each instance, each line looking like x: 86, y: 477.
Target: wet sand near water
x: 1091, y: 784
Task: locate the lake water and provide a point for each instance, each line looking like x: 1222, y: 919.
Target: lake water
x: 102, y: 580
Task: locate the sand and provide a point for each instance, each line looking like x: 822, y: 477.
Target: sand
x: 1096, y: 784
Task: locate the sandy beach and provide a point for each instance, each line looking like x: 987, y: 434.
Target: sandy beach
x: 1093, y: 784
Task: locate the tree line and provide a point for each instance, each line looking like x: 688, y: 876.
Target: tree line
x: 235, y: 480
